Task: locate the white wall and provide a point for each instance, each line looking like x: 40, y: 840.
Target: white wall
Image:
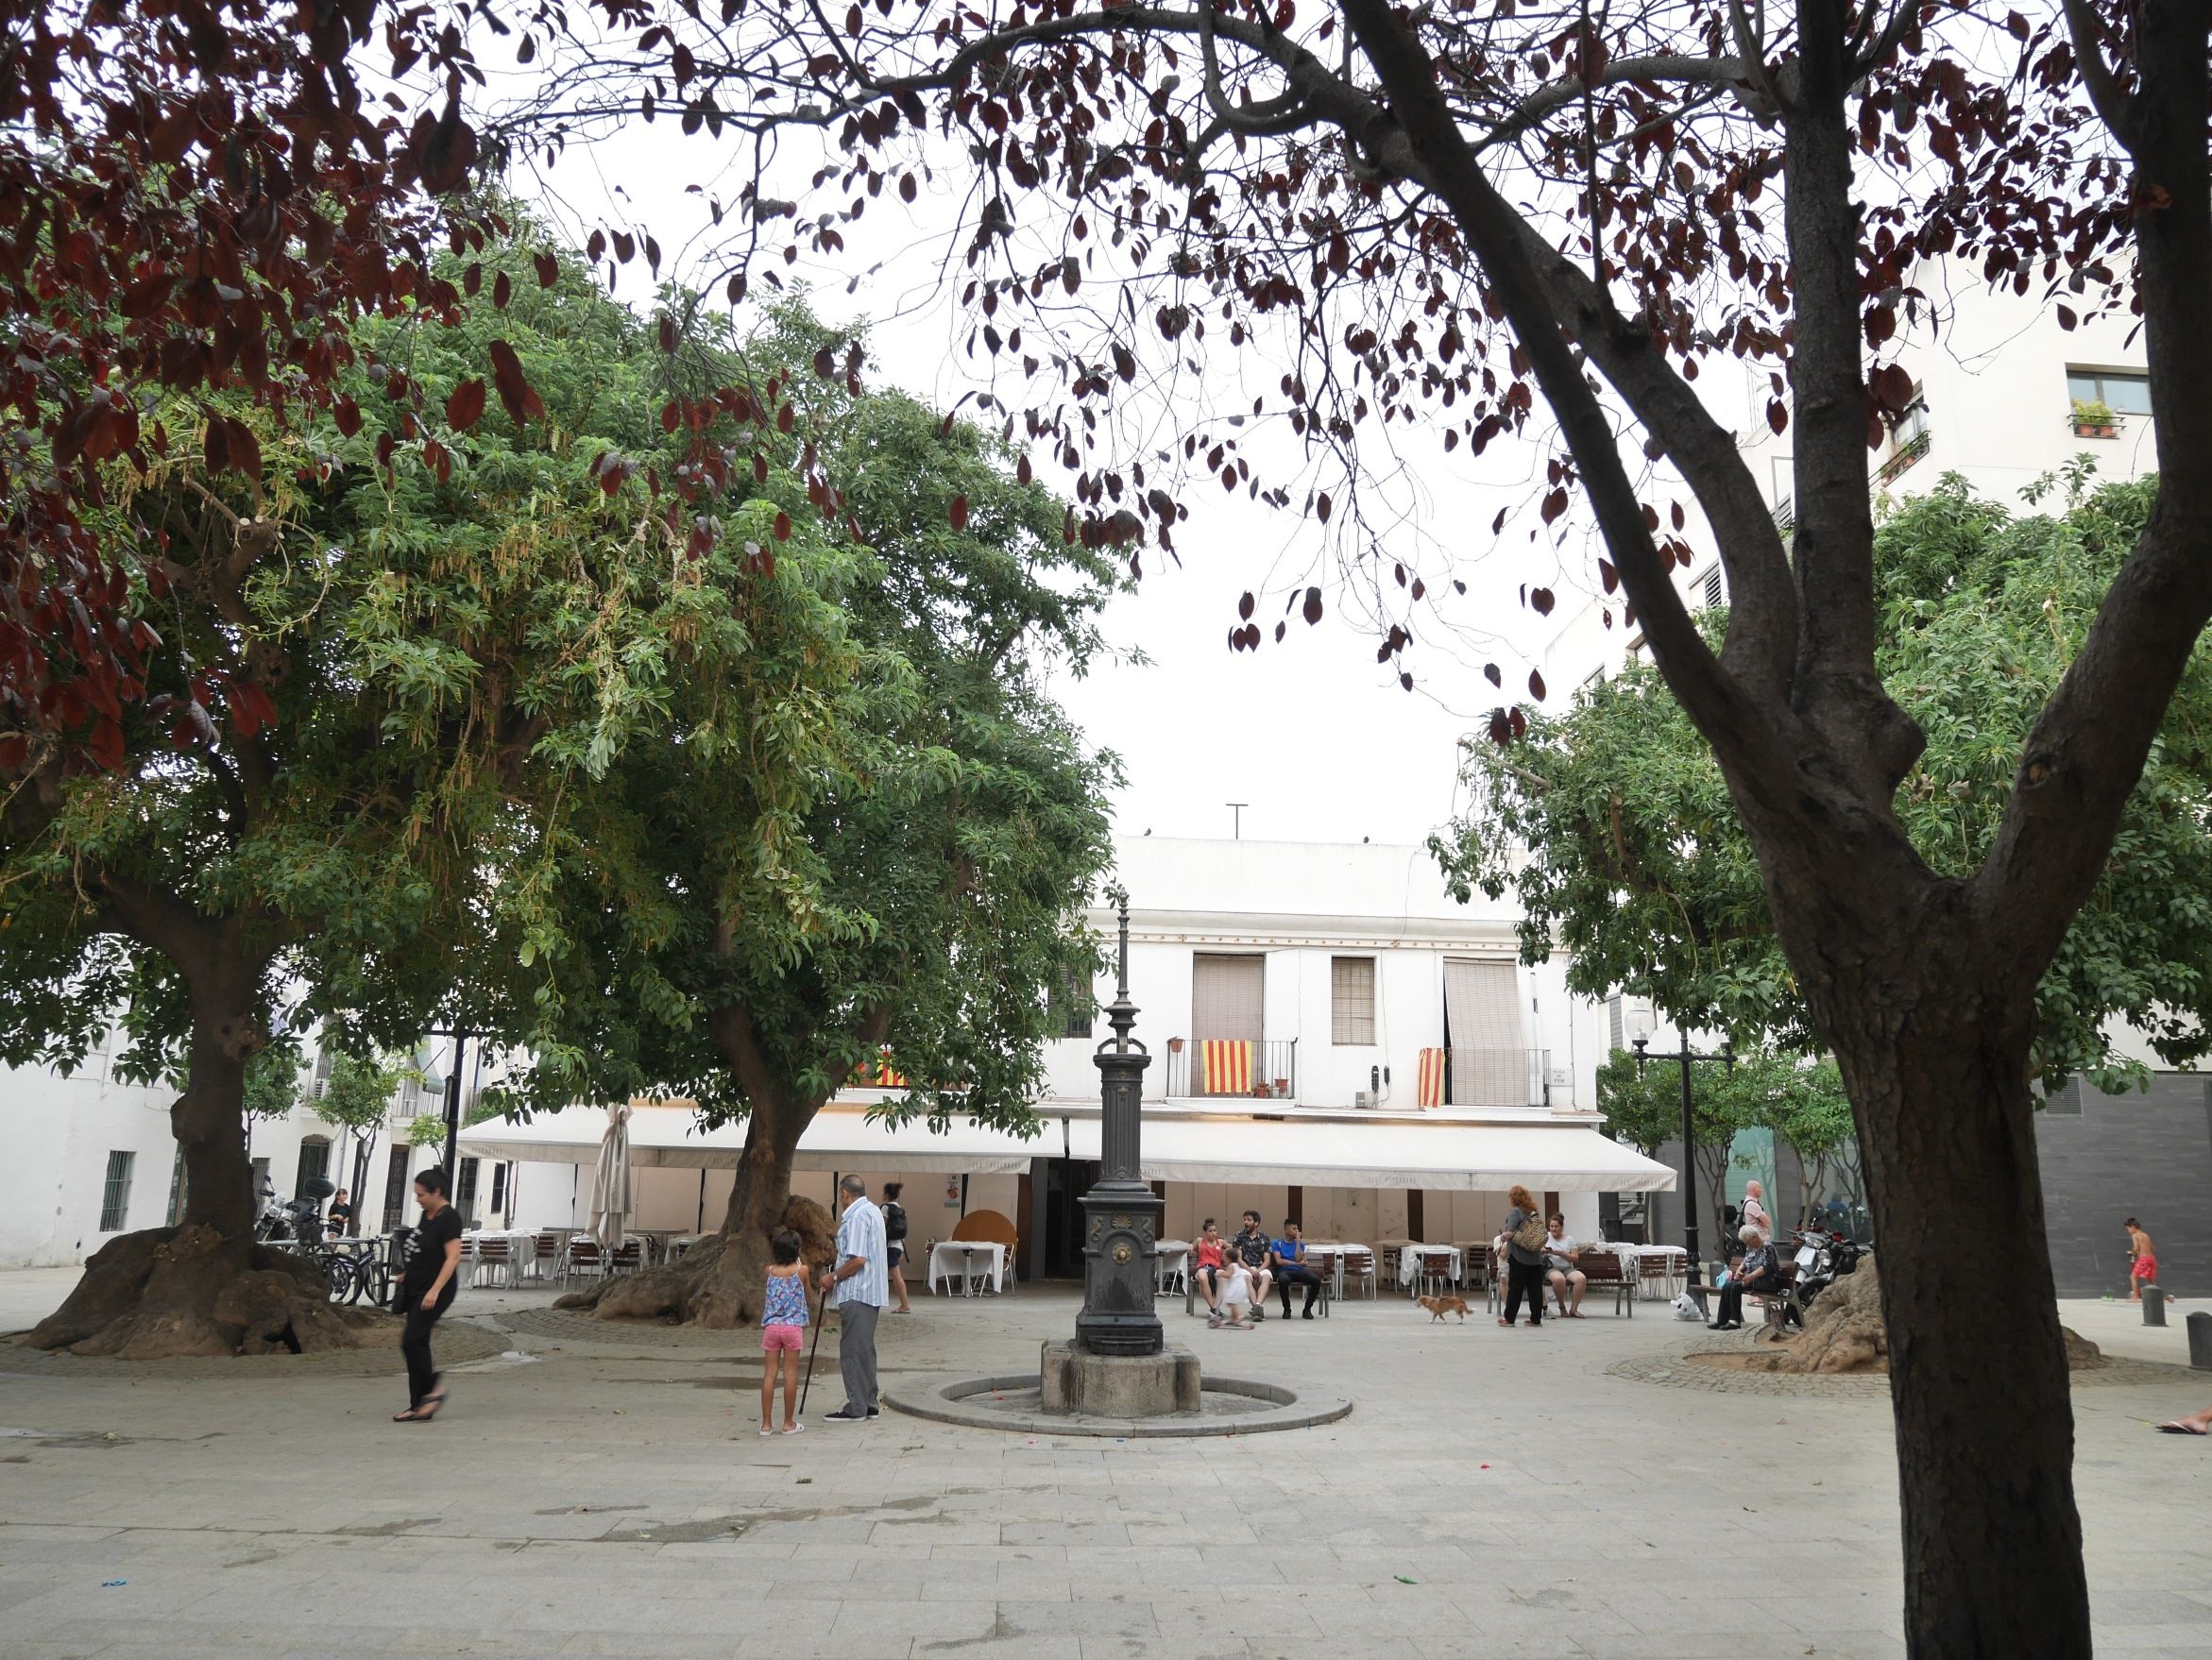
x: 1298, y: 905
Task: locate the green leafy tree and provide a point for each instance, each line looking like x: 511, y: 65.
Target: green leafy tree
x: 1799, y: 1099
x: 357, y: 1097
x: 909, y: 878
x: 378, y: 622
x: 1636, y: 867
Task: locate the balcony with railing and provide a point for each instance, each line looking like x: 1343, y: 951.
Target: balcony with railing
x: 1251, y: 1069
x: 1485, y: 1077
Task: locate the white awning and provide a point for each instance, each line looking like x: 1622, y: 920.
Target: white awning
x: 840, y: 1138
x: 1431, y: 1151
x: 1439, y: 1153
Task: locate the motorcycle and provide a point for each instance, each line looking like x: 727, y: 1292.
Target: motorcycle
x: 1824, y: 1256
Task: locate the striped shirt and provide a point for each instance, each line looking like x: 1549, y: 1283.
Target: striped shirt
x: 859, y: 1233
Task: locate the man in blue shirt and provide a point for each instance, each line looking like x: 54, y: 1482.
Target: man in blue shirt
x: 1288, y: 1256
x: 858, y: 1288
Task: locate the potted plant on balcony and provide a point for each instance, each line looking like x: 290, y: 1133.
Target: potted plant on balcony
x: 2093, y: 418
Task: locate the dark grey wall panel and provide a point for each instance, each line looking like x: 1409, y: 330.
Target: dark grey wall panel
x: 2106, y: 1157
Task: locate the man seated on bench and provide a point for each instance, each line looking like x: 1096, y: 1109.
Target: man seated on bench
x: 1755, y: 1272
x: 1250, y: 1247
x: 1567, y: 1281
x: 1287, y: 1258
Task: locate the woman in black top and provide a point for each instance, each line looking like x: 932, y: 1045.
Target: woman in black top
x: 426, y: 1291
x: 895, y: 1240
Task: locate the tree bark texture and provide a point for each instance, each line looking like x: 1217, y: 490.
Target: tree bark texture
x: 722, y: 1280
x: 1978, y: 1362
x: 205, y: 1287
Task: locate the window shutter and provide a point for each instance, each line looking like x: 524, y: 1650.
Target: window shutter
x: 1228, y: 997
x: 1481, y: 1018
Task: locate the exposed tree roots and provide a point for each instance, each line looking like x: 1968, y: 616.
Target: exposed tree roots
x: 720, y: 1281
x: 171, y: 1291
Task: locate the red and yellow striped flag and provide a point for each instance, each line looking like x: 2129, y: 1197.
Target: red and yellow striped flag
x: 1226, y: 1065
x: 1429, y: 1089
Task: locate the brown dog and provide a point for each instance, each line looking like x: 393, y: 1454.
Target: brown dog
x: 1440, y: 1305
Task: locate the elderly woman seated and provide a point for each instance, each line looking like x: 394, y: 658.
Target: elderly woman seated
x: 1757, y: 1271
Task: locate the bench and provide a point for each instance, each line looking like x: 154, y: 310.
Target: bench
x: 1605, y: 1271
x: 1190, y: 1291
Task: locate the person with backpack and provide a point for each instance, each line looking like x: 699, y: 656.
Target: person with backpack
x: 1523, y: 1239
x: 894, y: 1239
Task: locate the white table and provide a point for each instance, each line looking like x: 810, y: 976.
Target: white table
x: 522, y: 1249
x: 1174, y: 1259
x: 1328, y: 1261
x: 1409, y: 1263
x: 951, y: 1257
x: 1676, y: 1259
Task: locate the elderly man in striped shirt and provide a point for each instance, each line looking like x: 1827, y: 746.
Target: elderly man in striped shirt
x: 858, y: 1288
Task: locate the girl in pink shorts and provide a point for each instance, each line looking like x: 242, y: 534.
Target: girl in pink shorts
x: 783, y: 1324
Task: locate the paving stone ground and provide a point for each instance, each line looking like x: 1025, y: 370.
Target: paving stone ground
x: 1493, y: 1493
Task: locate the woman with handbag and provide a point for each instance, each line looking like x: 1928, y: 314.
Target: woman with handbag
x: 1525, y: 1238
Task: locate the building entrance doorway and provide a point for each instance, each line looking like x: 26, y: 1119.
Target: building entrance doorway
x: 1066, y: 1183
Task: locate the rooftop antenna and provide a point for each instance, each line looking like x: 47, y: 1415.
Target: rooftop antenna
x: 1236, y: 824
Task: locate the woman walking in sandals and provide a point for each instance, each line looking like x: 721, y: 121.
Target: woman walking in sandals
x: 426, y: 1291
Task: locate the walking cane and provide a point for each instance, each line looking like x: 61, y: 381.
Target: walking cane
x: 821, y: 1319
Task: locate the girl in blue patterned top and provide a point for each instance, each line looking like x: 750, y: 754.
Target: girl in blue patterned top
x: 783, y: 1319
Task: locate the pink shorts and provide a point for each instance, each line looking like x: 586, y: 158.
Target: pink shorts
x: 779, y: 1337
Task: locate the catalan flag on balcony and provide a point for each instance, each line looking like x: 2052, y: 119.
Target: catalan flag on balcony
x: 1429, y: 1086
x: 879, y: 1074
x: 1225, y: 1066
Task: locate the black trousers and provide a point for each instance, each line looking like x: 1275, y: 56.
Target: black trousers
x: 1733, y: 1296
x: 414, y: 1344
x: 1525, y: 1279
x: 1305, y: 1276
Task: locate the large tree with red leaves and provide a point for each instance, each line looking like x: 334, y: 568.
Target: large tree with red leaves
x: 1442, y: 216
x: 1408, y: 218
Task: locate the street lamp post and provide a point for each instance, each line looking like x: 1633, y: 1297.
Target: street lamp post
x: 1688, y: 1057
x: 1121, y: 1212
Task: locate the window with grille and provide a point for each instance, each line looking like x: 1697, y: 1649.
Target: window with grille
x: 115, y: 1195
x: 499, y: 1190
x: 1352, y: 1000
x: 1712, y: 586
x: 464, y: 1190
x: 395, y: 1187
x: 177, y: 1189
x: 1076, y: 1003
x: 261, y: 1178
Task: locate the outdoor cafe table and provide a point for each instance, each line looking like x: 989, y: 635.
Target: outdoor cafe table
x: 521, y: 1242
x: 1174, y: 1257
x: 1409, y: 1263
x: 1676, y: 1259
x: 1329, y: 1259
x: 958, y: 1256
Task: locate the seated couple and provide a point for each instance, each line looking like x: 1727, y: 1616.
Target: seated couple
x: 1234, y: 1275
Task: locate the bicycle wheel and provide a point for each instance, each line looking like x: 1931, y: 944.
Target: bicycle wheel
x: 373, y: 1280
x: 338, y: 1270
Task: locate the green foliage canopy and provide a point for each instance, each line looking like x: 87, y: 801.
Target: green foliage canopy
x: 1612, y: 827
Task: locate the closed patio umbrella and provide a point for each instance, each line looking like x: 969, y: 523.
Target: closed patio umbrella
x: 613, y: 1192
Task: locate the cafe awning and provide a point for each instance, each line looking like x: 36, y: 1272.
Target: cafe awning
x: 1434, y: 1150
x: 1431, y: 1151
x: 840, y: 1138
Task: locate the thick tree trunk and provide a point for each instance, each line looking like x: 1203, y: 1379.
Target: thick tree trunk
x: 203, y: 1288
x: 1978, y: 1363
x: 721, y: 1282
x: 209, y: 1121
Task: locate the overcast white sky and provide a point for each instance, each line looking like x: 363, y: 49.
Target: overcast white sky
x: 1314, y: 735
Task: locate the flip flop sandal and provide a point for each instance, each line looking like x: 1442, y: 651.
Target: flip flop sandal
x: 2177, y: 1429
